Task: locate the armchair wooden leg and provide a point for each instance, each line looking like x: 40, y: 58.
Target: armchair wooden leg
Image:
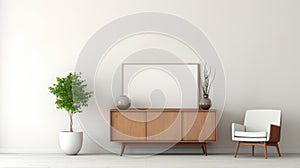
x: 265, y: 150
x: 237, y: 148
x: 277, y: 147
x: 253, y: 150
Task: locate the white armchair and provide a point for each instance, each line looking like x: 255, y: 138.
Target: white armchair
x: 261, y: 128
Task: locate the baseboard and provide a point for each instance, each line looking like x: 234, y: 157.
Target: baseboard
x: 145, y: 150
x: 30, y: 150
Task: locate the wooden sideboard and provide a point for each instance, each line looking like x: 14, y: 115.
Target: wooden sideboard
x: 185, y: 127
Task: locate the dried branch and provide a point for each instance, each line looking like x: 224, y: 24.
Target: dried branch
x: 208, y: 78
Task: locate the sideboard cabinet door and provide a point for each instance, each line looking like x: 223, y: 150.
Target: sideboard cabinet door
x: 163, y: 126
x: 199, y: 126
x: 128, y: 126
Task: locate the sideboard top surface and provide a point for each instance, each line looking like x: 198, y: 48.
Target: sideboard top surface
x: 166, y: 109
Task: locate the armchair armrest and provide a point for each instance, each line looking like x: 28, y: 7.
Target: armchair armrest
x: 274, y: 133
x: 237, y: 127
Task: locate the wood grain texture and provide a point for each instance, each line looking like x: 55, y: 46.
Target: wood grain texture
x: 200, y: 126
x: 172, y: 125
x: 275, y: 133
x: 263, y: 144
x: 128, y: 126
x: 165, y: 127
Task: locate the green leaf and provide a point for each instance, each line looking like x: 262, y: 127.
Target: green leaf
x: 70, y: 93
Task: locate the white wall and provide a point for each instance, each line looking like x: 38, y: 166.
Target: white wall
x: 256, y: 40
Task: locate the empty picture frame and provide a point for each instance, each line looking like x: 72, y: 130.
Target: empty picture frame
x: 161, y: 85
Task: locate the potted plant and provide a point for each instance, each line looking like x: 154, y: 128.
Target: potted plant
x: 71, y: 96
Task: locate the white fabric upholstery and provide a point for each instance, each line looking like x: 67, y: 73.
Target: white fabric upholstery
x: 259, y: 120
x: 250, y: 134
x: 250, y: 139
x: 257, y: 125
x: 237, y: 127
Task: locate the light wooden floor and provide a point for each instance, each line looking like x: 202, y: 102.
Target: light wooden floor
x: 140, y: 161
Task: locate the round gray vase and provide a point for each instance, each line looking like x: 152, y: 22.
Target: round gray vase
x: 123, y: 102
x: 205, y: 102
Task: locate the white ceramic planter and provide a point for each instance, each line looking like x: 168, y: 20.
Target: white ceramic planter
x: 70, y: 142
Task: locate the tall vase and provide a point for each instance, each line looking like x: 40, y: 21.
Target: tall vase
x: 205, y: 102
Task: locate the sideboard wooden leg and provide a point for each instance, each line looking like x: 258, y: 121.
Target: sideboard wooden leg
x: 204, y: 148
x: 122, y: 149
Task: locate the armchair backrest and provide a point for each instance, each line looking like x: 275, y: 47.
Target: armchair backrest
x: 259, y: 120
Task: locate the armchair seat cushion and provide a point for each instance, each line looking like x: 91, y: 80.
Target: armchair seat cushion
x: 250, y: 134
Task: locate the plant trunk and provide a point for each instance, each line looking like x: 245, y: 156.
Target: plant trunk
x: 71, y: 122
